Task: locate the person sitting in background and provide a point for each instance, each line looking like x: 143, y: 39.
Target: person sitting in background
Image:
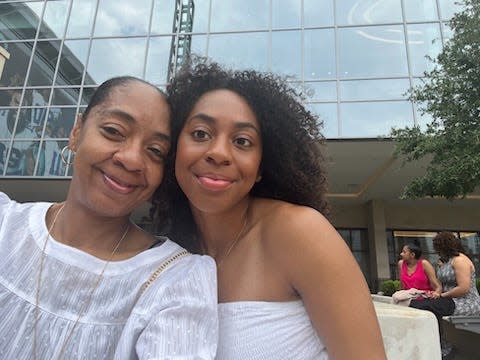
x: 415, y: 272
x: 457, y: 274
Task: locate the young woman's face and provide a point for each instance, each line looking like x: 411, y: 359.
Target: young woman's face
x: 219, y: 152
x: 120, y: 150
x: 406, y: 254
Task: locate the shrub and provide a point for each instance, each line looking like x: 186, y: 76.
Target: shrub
x: 388, y: 287
x: 478, y: 285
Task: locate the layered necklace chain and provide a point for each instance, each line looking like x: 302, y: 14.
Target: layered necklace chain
x: 87, y: 301
x: 237, y: 238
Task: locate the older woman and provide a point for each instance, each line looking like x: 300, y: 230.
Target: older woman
x: 78, y: 279
x: 457, y: 274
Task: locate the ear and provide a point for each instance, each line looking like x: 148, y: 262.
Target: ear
x: 74, y: 138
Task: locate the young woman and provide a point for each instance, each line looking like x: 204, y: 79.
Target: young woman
x: 415, y: 272
x: 78, y: 279
x: 249, y: 162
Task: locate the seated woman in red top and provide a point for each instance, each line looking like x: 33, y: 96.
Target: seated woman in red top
x: 415, y: 272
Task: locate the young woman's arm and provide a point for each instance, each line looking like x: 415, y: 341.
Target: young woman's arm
x: 432, y: 278
x: 321, y: 269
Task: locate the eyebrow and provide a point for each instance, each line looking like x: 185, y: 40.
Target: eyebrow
x: 211, y: 120
x: 130, y: 119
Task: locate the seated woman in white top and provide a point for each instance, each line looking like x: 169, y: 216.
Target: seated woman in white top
x: 78, y: 280
x: 249, y: 162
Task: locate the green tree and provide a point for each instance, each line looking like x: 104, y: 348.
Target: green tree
x: 450, y: 93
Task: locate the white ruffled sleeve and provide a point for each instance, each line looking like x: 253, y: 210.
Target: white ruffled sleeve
x: 184, y: 322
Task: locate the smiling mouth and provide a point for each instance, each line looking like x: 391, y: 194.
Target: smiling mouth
x: 118, y: 186
x: 214, y: 184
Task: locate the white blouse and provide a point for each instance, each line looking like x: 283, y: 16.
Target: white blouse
x: 261, y: 330
x: 175, y: 318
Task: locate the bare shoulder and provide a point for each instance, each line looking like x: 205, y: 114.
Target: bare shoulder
x: 298, y: 231
x: 462, y: 261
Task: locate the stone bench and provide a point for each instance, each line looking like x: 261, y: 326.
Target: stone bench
x: 468, y: 323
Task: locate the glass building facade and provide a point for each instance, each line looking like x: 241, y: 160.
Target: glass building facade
x: 353, y: 58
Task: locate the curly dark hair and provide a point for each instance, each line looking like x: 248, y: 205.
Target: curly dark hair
x: 292, y: 165
x: 447, y: 245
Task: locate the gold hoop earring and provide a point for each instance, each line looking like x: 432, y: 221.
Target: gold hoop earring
x: 67, y: 155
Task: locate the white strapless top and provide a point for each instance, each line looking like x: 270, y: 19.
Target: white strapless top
x: 260, y: 330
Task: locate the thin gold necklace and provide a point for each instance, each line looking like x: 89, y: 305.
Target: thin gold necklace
x: 237, y: 238
x: 87, y: 301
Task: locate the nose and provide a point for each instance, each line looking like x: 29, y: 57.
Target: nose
x: 219, y: 152
x: 130, y: 156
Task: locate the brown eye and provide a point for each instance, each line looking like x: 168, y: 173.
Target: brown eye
x: 200, y: 135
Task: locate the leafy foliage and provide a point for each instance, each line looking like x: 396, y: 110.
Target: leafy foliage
x: 388, y: 287
x: 450, y: 93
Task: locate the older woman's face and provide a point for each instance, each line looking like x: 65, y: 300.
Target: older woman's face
x: 120, y: 150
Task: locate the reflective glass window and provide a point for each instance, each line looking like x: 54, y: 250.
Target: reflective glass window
x: 158, y: 59
x: 19, y: 21
x: 44, y: 63
x: 250, y: 50
x: 286, y: 14
x: 16, y: 66
x: 319, y: 54
x: 423, y: 40
x: 321, y: 91
x: 449, y: 7
x: 318, y: 13
x: 67, y: 96
x: 36, y: 97
x: 114, y: 57
x: 363, y: 12
x: 122, y: 17
x: 231, y: 15
x: 327, y: 113
x: 54, y: 19
x: 199, y: 45
x: 81, y: 18
x: 8, y: 117
x: 30, y: 123
x: 60, y: 122
x: 201, y: 16
x: 286, y: 52
x: 374, y: 119
x: 10, y: 97
x: 163, y: 17
x: 374, y: 51
x: 22, y: 158
x: 72, y: 62
x: 87, y: 94
x: 51, y: 164
x: 4, y: 146
x: 425, y: 10
x: 384, y: 89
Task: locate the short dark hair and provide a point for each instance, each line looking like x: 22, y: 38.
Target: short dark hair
x: 292, y: 165
x: 103, y: 92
